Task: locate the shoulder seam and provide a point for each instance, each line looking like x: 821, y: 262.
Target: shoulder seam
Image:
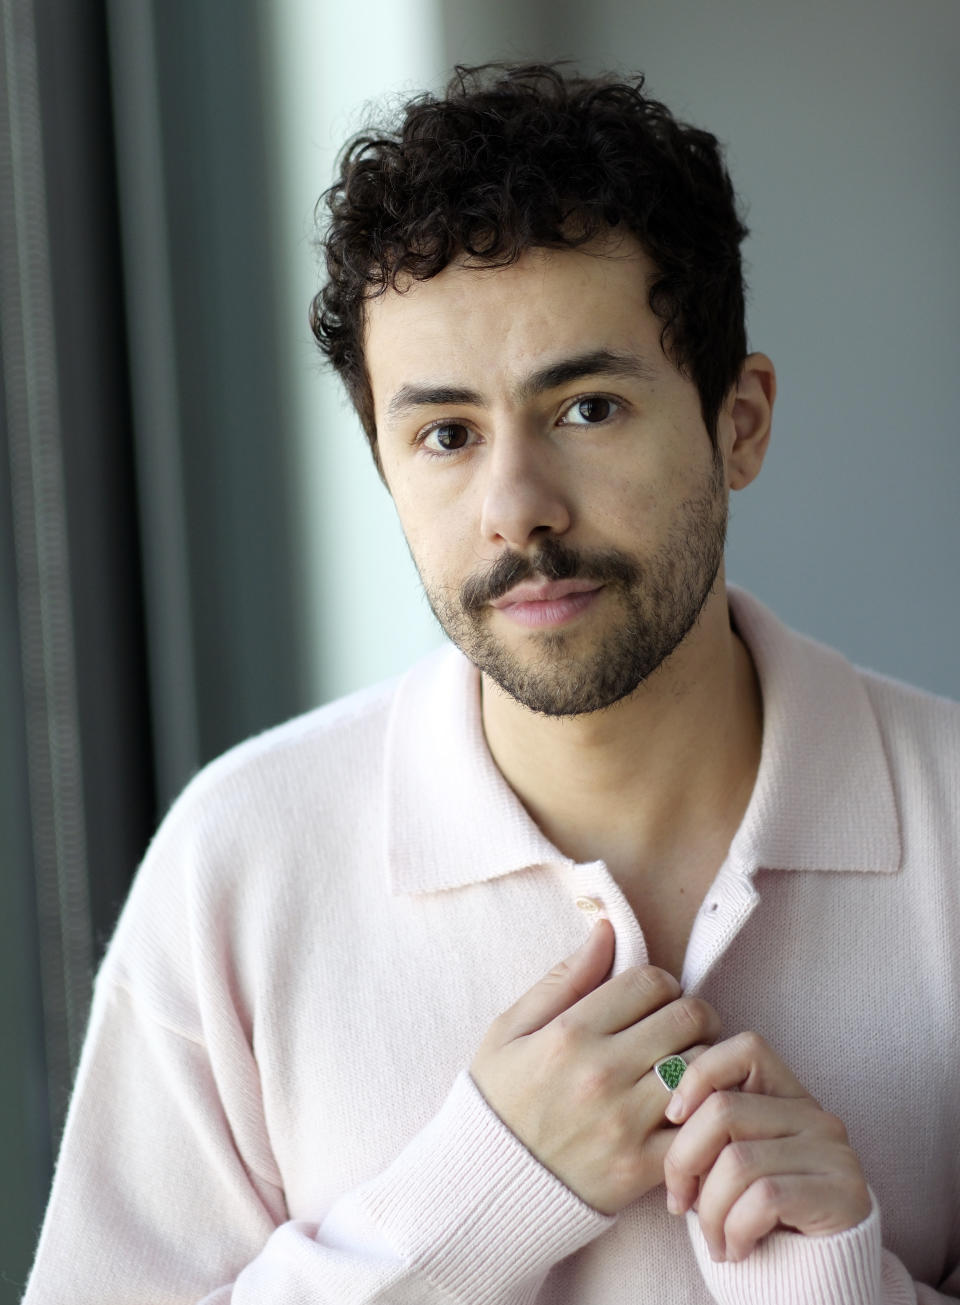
x: 115, y: 982
x: 119, y: 984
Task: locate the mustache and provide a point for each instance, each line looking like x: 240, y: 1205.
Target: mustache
x: 552, y: 561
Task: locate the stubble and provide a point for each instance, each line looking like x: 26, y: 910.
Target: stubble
x: 656, y: 602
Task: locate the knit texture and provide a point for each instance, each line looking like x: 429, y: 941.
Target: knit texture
x: 273, y: 1104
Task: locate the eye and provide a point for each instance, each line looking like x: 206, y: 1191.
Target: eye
x: 589, y: 410
x: 447, y: 437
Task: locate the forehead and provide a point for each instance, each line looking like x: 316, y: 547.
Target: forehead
x: 498, y: 324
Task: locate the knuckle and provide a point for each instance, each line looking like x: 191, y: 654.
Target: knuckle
x: 751, y: 1043
x: 690, y: 1017
x: 560, y: 976
x: 493, y: 1032
x: 654, y: 985
x: 698, y: 1015
x: 595, y: 1085
x: 739, y: 1159
x: 566, y: 1031
x: 562, y: 1042
x: 684, y: 1020
x: 498, y: 1034
x: 833, y: 1128
x: 713, y: 1025
x: 721, y: 1109
x: 849, y: 1180
x: 769, y: 1191
x: 848, y: 1170
x: 673, y: 1165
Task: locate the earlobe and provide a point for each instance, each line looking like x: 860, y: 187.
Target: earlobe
x: 751, y: 412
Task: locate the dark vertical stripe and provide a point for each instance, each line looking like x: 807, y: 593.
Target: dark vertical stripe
x: 40, y: 543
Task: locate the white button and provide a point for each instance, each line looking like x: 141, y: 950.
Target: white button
x: 589, y: 905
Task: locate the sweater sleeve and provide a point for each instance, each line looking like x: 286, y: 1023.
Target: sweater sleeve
x: 161, y: 1195
x: 848, y: 1268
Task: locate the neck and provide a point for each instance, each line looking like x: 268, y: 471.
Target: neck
x: 660, y: 780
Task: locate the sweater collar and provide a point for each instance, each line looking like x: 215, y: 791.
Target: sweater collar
x: 823, y: 798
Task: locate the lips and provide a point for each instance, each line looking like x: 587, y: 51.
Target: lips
x: 544, y: 591
x: 547, y: 604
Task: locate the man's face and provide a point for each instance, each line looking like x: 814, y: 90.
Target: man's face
x: 551, y: 470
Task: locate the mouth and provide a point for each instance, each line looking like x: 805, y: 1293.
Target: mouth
x: 544, y: 591
x: 540, y: 603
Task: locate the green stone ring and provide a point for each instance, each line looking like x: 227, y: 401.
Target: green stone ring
x: 670, y: 1071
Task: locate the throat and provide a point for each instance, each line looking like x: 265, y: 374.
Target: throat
x: 665, y: 901
x: 656, y: 788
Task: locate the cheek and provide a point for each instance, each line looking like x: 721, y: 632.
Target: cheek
x: 437, y: 538
x: 628, y: 514
x: 645, y: 504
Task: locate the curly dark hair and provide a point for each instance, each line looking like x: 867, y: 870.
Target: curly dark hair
x: 519, y: 157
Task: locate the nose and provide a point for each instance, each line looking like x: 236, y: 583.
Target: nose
x: 523, y: 494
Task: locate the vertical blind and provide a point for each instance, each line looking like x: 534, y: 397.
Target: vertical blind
x: 148, y: 573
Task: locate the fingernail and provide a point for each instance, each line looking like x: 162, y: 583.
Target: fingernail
x: 674, y: 1110
x: 673, y: 1205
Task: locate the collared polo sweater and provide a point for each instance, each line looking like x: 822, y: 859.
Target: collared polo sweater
x: 273, y: 1105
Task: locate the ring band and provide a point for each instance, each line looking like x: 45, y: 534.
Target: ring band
x: 670, y: 1071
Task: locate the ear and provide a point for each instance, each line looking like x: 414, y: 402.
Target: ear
x: 746, y: 419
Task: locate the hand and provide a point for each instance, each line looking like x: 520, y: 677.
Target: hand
x: 764, y: 1157
x: 568, y: 1070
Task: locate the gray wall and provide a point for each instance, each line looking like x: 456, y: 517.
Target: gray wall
x: 843, y: 123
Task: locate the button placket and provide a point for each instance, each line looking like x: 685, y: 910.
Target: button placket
x: 597, y: 895
x: 730, y: 902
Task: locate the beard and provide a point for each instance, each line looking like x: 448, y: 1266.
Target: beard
x: 561, y: 672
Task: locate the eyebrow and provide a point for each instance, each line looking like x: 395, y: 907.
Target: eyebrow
x: 599, y: 362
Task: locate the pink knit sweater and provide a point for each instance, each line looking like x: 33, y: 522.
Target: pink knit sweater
x: 272, y: 1104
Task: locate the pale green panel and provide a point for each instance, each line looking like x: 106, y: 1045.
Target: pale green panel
x: 363, y: 615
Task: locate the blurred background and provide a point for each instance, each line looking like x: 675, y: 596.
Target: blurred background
x: 193, y: 542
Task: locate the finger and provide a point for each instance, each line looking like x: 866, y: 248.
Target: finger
x: 655, y: 1149
x: 619, y: 1003
x: 727, y: 1117
x: 649, y: 1099
x: 746, y: 1062
x: 812, y: 1203
x: 688, y: 1055
x: 764, y: 1164
x: 568, y: 981
x: 752, y: 1216
x: 671, y: 1030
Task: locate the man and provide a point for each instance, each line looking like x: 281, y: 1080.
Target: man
x: 335, y: 1054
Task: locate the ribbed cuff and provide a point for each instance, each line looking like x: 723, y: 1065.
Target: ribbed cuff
x: 468, y: 1205
x: 789, y: 1269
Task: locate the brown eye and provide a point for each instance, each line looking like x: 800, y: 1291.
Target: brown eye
x: 596, y: 408
x: 591, y: 410
x: 449, y: 438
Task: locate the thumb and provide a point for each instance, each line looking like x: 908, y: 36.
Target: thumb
x: 566, y: 983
